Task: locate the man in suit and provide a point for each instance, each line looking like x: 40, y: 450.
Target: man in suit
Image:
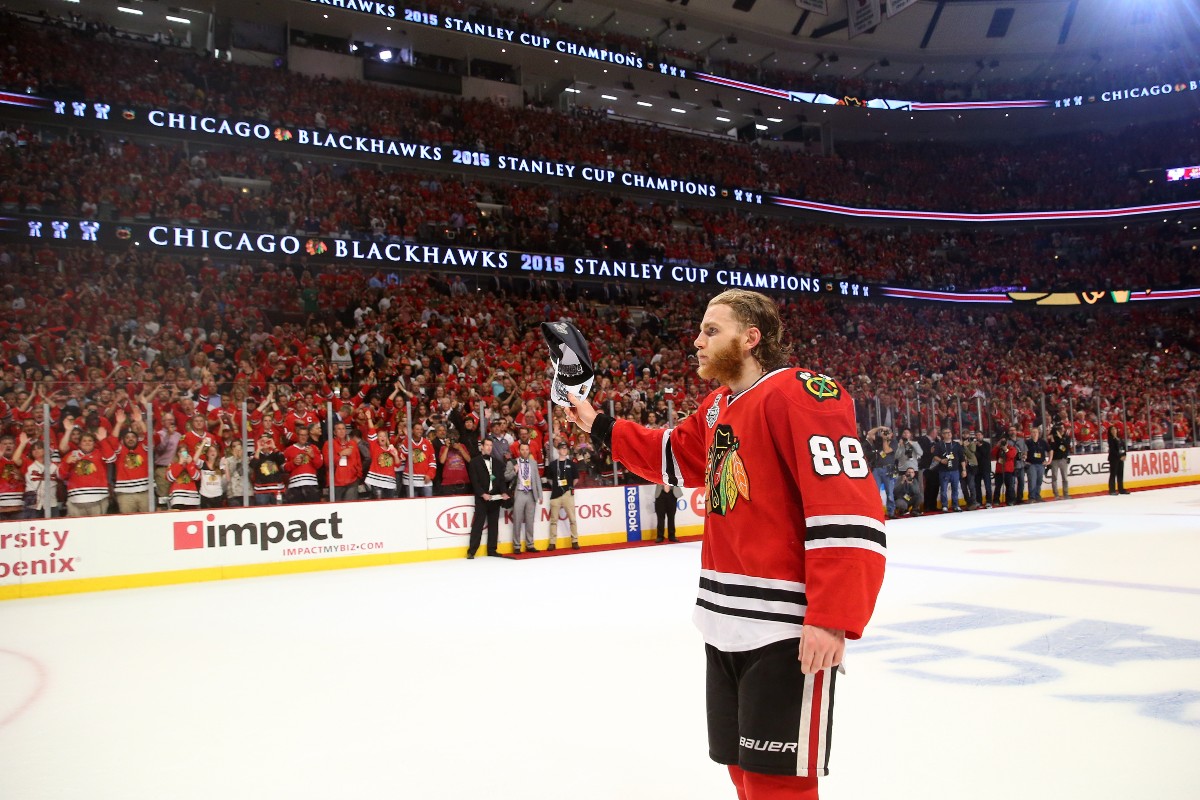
x: 665, y: 498
x: 487, y: 483
x: 526, y: 489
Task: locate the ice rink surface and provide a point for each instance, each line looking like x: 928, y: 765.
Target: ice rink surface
x: 1040, y: 652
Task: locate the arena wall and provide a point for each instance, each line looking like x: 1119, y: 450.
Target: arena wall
x: 60, y: 556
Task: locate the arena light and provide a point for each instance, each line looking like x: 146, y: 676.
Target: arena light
x: 679, y: 110
x: 774, y: 119
x: 573, y: 91
x: 608, y: 97
x: 724, y: 119
x: 760, y: 126
x: 133, y: 11
x: 180, y: 20
x: 385, y: 55
x: 645, y: 104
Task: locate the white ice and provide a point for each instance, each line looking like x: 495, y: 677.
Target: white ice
x: 1066, y: 665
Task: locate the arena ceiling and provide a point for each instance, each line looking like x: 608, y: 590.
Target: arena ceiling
x: 992, y: 41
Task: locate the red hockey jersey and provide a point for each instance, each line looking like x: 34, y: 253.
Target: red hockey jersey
x: 794, y: 532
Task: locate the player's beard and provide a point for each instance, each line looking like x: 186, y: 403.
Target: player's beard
x: 723, y: 366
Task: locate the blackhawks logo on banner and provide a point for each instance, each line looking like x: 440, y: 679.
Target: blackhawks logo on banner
x: 726, y: 479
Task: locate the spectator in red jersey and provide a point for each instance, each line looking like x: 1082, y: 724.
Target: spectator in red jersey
x: 424, y: 463
x: 347, y: 464
x: 302, y: 460
x: 131, y: 460
x: 381, y: 474
x: 86, y: 476
x: 12, y: 480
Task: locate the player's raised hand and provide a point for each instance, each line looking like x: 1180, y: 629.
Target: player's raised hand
x: 581, y: 413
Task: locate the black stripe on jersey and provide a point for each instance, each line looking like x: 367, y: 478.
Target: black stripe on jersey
x: 757, y: 592
x: 829, y: 718
x: 669, y: 464
x: 845, y: 532
x: 796, y: 619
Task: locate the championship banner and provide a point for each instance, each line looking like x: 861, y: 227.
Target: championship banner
x: 818, y: 6
x: 862, y: 15
x: 894, y: 7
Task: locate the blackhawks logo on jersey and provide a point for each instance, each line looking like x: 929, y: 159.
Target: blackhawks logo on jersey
x: 133, y: 460
x: 819, y: 385
x: 268, y: 468
x: 726, y: 479
x: 386, y: 461
x: 83, y: 467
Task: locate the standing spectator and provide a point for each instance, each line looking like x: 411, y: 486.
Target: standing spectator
x: 40, y: 491
x: 231, y: 466
x: 487, y: 483
x: 347, y: 464
x: 665, y: 498
x: 86, y: 477
x: 1004, y: 453
x: 302, y: 459
x: 132, y: 462
x: 908, y: 494
x: 212, y: 480
x: 1059, y: 442
x: 166, y: 442
x: 1038, y: 454
x: 562, y: 475
x: 454, y: 458
x: 12, y: 481
x: 951, y: 468
x: 267, y: 473
x: 1116, y: 462
x: 424, y: 463
x: 183, y: 477
x: 526, y: 490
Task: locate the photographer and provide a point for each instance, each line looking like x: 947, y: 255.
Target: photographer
x: 980, y: 481
x: 951, y: 467
x: 908, y: 452
x: 1059, y: 442
x: 1004, y: 453
x: 881, y: 456
x: 1021, y: 464
x: 907, y: 495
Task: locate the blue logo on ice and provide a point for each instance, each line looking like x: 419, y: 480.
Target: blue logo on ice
x: 1023, y: 531
x: 633, y: 515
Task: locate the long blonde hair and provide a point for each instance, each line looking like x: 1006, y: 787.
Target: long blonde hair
x: 752, y: 309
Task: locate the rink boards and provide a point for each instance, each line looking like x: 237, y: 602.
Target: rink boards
x: 58, y: 556
x: 62, y: 555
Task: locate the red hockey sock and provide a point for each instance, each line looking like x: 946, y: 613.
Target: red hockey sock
x: 778, y: 787
x: 738, y: 777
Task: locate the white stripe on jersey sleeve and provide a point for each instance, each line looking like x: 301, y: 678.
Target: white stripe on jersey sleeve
x: 843, y: 519
x: 845, y: 541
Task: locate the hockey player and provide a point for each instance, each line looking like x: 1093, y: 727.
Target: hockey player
x: 793, y: 553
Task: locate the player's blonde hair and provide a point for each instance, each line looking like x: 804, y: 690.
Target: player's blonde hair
x: 752, y: 309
